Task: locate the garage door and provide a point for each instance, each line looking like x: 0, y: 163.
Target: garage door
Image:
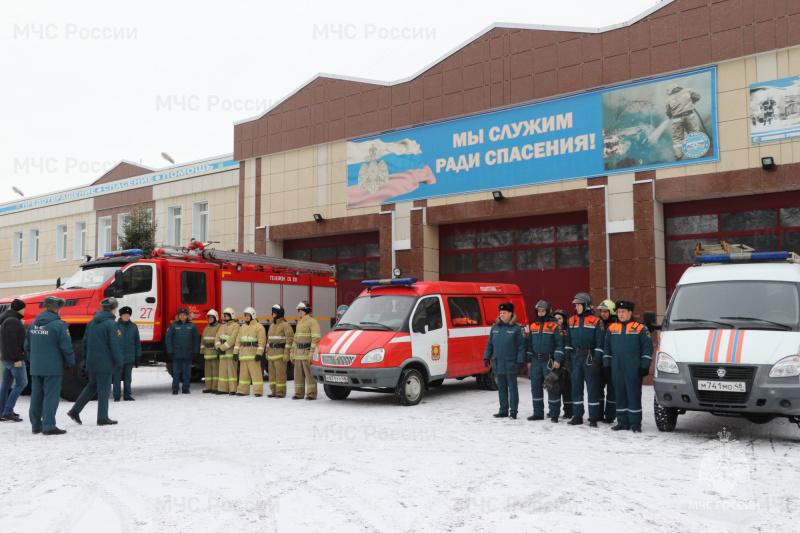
x: 767, y: 222
x: 547, y: 256
x: 356, y: 257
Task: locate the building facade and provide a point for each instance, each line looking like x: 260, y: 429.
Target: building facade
x: 612, y: 184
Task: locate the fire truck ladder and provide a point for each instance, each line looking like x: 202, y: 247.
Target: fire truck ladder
x: 289, y: 265
x: 738, y: 253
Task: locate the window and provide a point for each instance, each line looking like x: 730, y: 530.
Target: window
x: 573, y: 256
x: 464, y: 312
x: 428, y: 313
x: 174, y: 225
x: 351, y: 270
x: 138, y: 279
x: 122, y: 219
x: 80, y: 240
x: 495, y: 261
x: 300, y: 255
x: 193, y: 287
x: 16, y: 253
x: 323, y: 254
x: 33, y: 246
x: 103, y: 236
x: 61, y: 242
x: 200, y: 229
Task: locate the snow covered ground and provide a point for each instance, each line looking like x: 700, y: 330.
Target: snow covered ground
x: 201, y: 462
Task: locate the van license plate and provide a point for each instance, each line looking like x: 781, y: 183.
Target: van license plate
x: 336, y: 379
x: 722, y: 386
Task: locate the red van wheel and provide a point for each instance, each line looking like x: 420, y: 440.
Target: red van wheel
x: 410, y: 387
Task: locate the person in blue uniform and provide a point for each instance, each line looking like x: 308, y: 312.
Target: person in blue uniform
x: 628, y: 355
x: 50, y: 350
x: 132, y: 354
x: 183, y: 342
x: 585, y: 344
x: 545, y: 353
x: 102, y: 347
x: 505, y: 354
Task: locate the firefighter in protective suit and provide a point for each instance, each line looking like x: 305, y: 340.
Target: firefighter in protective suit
x: 279, y: 344
x: 250, y: 350
x: 608, y: 314
x: 585, y: 345
x: 306, y: 337
x: 628, y: 354
x: 209, y: 350
x: 226, y: 339
x: 545, y: 352
x: 680, y: 108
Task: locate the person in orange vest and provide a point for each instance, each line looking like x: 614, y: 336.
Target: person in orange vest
x: 585, y: 335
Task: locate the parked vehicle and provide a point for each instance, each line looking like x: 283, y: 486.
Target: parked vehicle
x: 730, y: 339
x: 194, y: 277
x: 402, y: 336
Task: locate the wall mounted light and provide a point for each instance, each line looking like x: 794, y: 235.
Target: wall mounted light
x: 318, y: 217
x: 768, y: 163
x: 498, y: 196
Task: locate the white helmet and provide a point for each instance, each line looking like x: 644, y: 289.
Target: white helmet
x: 252, y: 312
x: 214, y: 314
x: 229, y: 311
x: 304, y: 306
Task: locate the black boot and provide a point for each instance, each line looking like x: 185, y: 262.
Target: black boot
x: 55, y: 431
x: 206, y: 391
x: 75, y: 416
x: 592, y: 423
x: 554, y: 420
x: 174, y: 393
x: 535, y: 417
x: 271, y: 395
x: 500, y: 415
x: 513, y: 415
x: 636, y: 429
x: 257, y: 395
x: 576, y: 421
x: 296, y: 398
x: 106, y: 422
x: 620, y: 428
x: 130, y: 399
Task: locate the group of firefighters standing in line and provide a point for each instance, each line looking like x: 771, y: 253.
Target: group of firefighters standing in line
x: 610, y: 354
x: 233, y: 353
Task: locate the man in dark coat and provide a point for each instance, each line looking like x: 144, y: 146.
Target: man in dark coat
x: 102, y: 347
x: 131, y: 352
x: 50, y: 348
x: 505, y: 354
x: 183, y: 342
x: 12, y: 354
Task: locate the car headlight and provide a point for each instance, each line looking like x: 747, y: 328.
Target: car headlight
x: 786, y: 367
x: 316, y: 354
x: 373, y: 356
x: 666, y: 364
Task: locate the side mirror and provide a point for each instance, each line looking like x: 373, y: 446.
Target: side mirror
x: 115, y: 288
x: 58, y: 283
x: 650, y: 321
x: 333, y: 321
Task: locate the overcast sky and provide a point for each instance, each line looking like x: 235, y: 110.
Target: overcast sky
x: 87, y: 83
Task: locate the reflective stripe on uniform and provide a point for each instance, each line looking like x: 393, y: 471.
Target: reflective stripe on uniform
x: 214, y: 356
x: 247, y: 357
x: 274, y: 357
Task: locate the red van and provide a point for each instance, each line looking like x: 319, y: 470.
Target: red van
x: 404, y: 335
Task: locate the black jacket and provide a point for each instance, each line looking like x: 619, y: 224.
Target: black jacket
x: 12, y: 337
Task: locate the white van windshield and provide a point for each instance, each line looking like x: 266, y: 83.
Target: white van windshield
x: 385, y: 312
x: 91, y: 278
x: 735, y: 304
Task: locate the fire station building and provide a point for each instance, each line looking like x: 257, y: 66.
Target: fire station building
x: 559, y: 159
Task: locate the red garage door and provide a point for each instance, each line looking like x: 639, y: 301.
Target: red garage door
x: 356, y: 256
x: 547, y: 256
x: 766, y: 222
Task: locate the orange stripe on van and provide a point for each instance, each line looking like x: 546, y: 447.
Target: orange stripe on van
x: 730, y: 345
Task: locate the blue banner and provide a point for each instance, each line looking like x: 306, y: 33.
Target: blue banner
x: 659, y: 123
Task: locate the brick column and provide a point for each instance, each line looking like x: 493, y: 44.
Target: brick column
x: 596, y: 209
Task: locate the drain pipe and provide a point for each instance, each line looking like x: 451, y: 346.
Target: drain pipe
x: 608, y: 240
x: 394, y: 264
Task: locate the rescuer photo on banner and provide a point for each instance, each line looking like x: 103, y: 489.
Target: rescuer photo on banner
x: 775, y: 110
x: 660, y: 122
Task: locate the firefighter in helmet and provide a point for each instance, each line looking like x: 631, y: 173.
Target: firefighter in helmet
x: 680, y: 108
x: 250, y: 350
x: 585, y: 344
x: 608, y: 314
x: 306, y: 337
x: 226, y: 339
x: 209, y: 351
x: 279, y: 344
x: 545, y: 353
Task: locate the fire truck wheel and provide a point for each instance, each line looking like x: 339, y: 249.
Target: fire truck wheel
x: 336, y: 393
x: 487, y: 381
x: 410, y: 388
x: 666, y: 417
x: 436, y: 383
x: 72, y: 387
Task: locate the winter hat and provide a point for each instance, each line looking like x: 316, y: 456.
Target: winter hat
x: 109, y: 304
x: 625, y: 304
x: 125, y: 311
x: 507, y: 306
x: 17, y: 305
x: 52, y: 301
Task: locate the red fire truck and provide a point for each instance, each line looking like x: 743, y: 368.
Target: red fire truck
x: 194, y: 277
x: 402, y: 336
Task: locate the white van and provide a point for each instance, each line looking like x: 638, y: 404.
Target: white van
x: 730, y: 340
